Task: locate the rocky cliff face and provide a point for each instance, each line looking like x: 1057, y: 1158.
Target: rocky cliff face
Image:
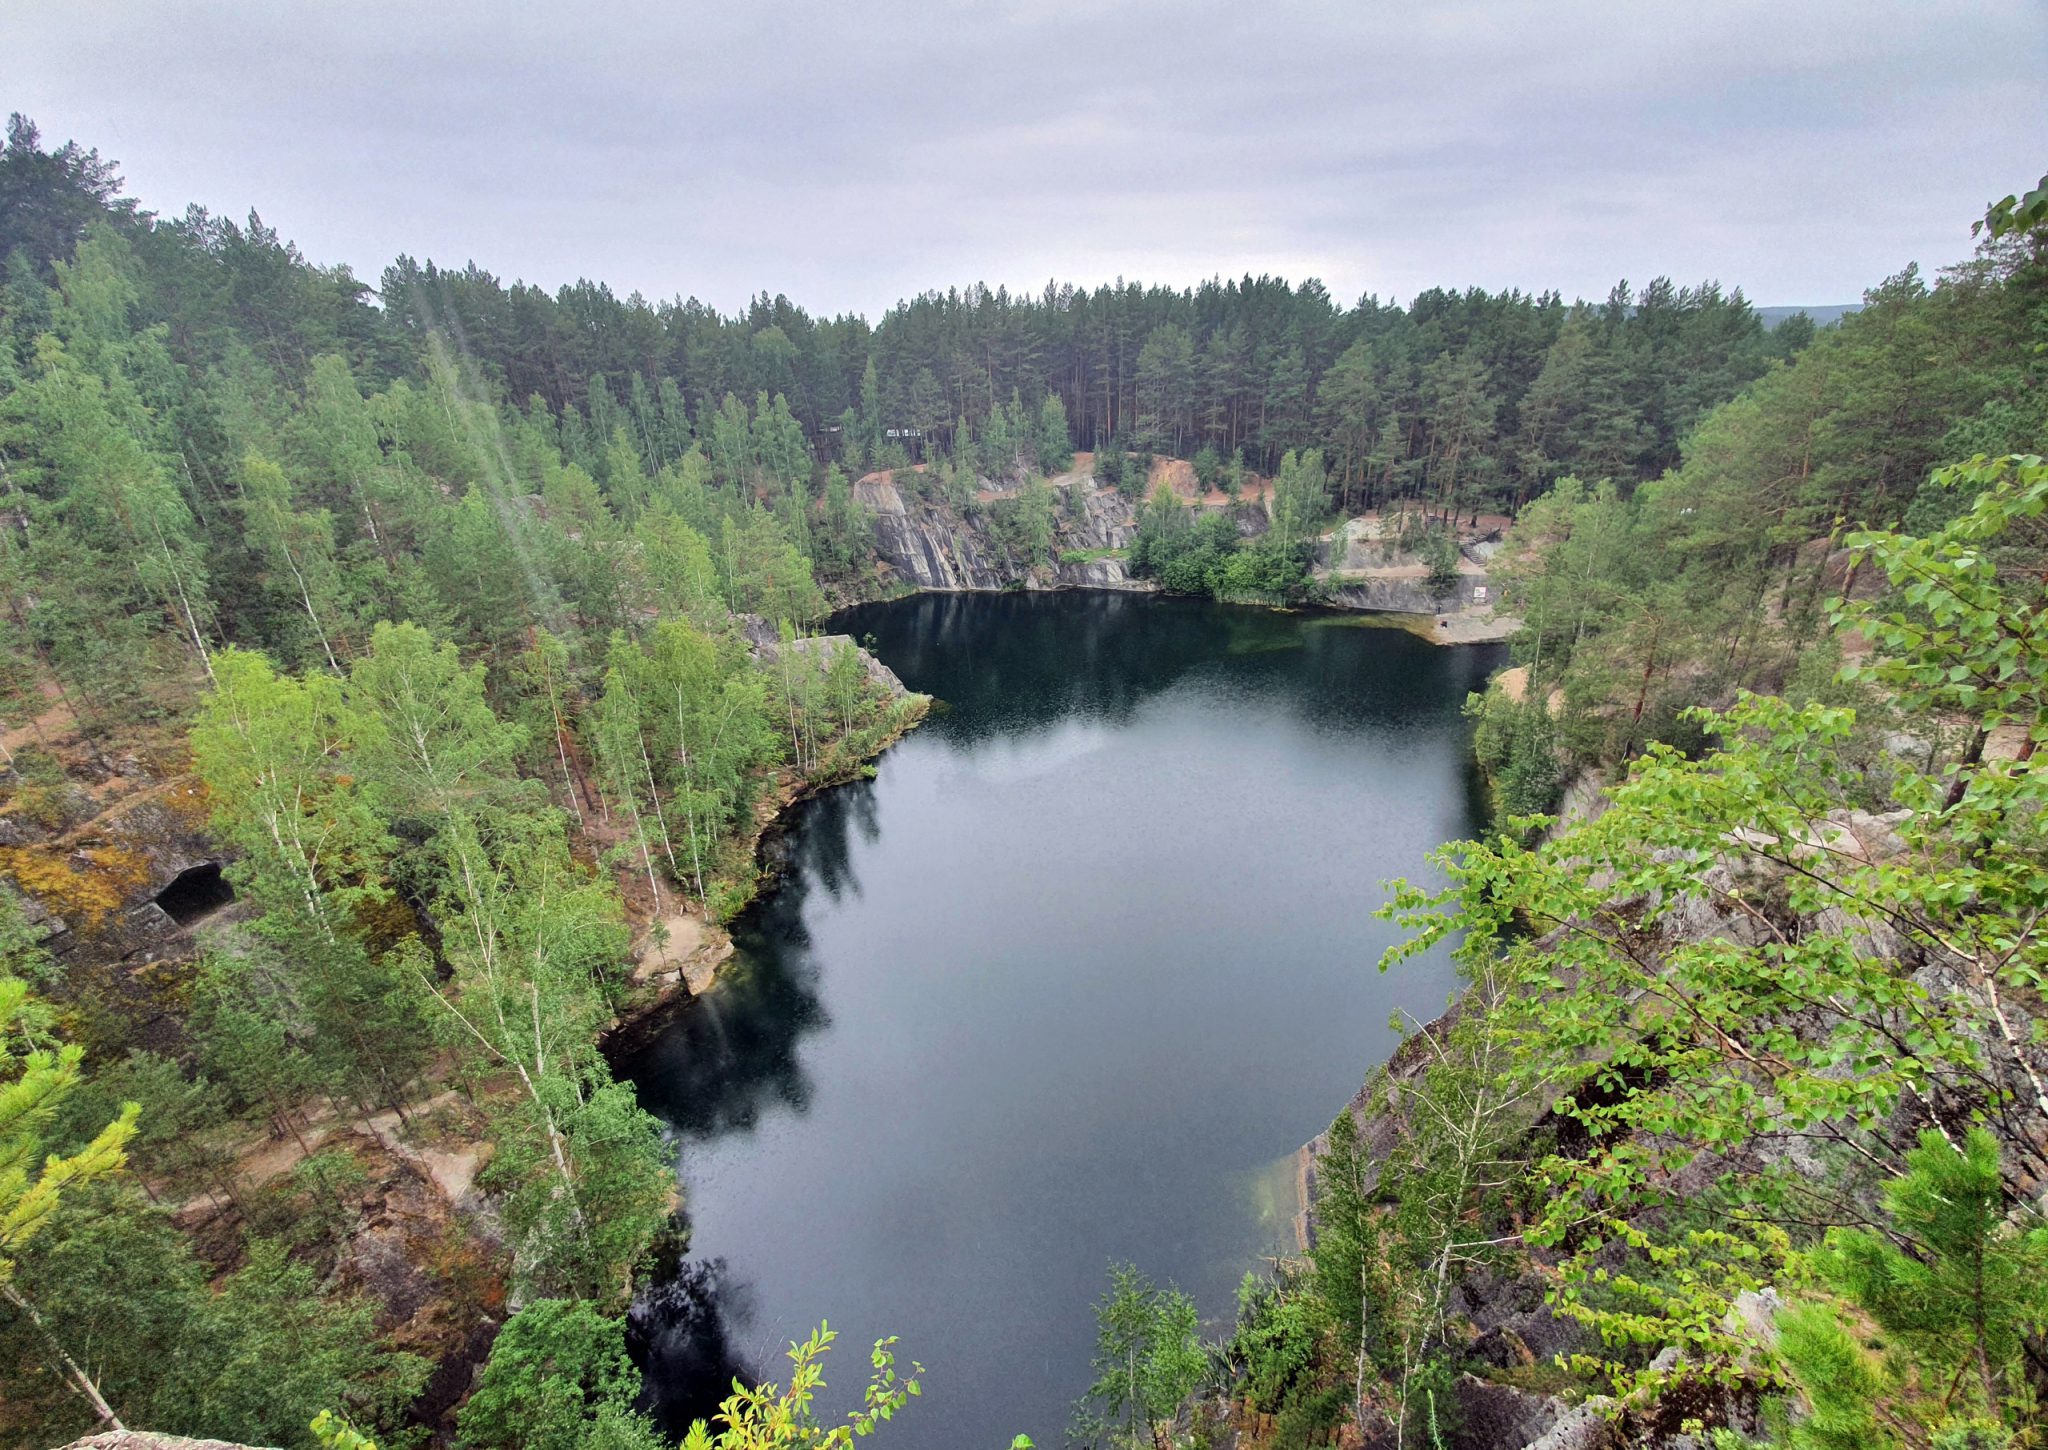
x: 927, y: 544
x: 1503, y: 1317
x: 1367, y: 571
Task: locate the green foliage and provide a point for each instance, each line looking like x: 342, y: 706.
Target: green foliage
x: 1263, y: 573
x: 1274, y: 1347
x: 22, y: 954
x: 212, y: 435
x: 1148, y: 1362
x: 1054, y: 442
x: 1700, y: 1044
x: 1192, y: 551
x: 1440, y: 551
x: 1348, y: 1256
x: 332, y: 1432
x: 554, y: 1369
x: 174, y: 1133
x: 1022, y: 524
x: 1299, y: 504
x: 844, y: 539
x: 1393, y: 1228
x: 287, y: 1350
x: 767, y: 1417
x: 1962, y: 633
x: 2016, y: 213
x: 36, y: 1075
x: 253, y: 1360
x: 1516, y: 745
x: 1956, y: 1288
x: 1712, y: 577
x: 1114, y: 466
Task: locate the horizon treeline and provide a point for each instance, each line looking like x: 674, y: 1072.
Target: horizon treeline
x: 1471, y: 398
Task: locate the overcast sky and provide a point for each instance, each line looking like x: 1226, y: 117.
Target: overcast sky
x: 852, y: 153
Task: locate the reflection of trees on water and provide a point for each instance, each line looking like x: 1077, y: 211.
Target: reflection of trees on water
x: 729, y: 1057
x: 1004, y: 667
x: 680, y: 1332
x: 732, y: 1054
x: 1008, y: 664
x: 822, y: 850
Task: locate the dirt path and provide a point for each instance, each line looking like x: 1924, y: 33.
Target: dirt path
x: 52, y: 727
x: 452, y: 1171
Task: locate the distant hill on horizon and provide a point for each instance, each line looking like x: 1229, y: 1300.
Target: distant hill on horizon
x: 1824, y: 314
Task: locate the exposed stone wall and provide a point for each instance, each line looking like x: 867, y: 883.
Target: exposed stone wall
x: 926, y: 544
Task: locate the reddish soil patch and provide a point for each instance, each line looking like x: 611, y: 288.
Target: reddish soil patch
x: 888, y: 475
x: 1256, y: 490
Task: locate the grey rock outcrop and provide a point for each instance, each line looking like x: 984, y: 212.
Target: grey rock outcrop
x: 767, y: 646
x: 1493, y: 1415
x: 1505, y: 1324
x: 927, y: 544
x: 929, y: 547
x: 1393, y: 595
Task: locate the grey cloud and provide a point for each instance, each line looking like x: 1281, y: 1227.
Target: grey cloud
x: 851, y: 154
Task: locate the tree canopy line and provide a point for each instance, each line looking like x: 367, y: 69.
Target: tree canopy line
x: 1465, y: 400
x: 1719, y: 575
x: 1479, y: 399
x: 1485, y: 398
x: 446, y: 586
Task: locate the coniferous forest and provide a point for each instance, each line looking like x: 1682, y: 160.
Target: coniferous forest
x: 437, y: 650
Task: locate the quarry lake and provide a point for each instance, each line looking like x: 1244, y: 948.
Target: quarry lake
x: 1067, y: 982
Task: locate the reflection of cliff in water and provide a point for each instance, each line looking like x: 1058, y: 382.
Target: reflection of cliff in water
x: 732, y: 1053
x: 1048, y: 658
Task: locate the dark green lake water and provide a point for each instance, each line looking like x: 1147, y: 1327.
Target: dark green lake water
x: 1067, y: 982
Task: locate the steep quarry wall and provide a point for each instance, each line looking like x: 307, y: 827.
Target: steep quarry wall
x: 928, y: 544
x: 1502, y: 1316
x: 925, y: 542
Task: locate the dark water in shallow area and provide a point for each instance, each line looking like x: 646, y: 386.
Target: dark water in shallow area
x: 1067, y: 982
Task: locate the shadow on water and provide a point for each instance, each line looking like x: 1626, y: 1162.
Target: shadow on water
x: 731, y: 1055
x: 730, y: 1058
x: 1010, y: 664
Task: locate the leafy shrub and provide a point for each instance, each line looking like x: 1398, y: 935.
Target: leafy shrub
x: 1274, y: 1348
x: 557, y: 1365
